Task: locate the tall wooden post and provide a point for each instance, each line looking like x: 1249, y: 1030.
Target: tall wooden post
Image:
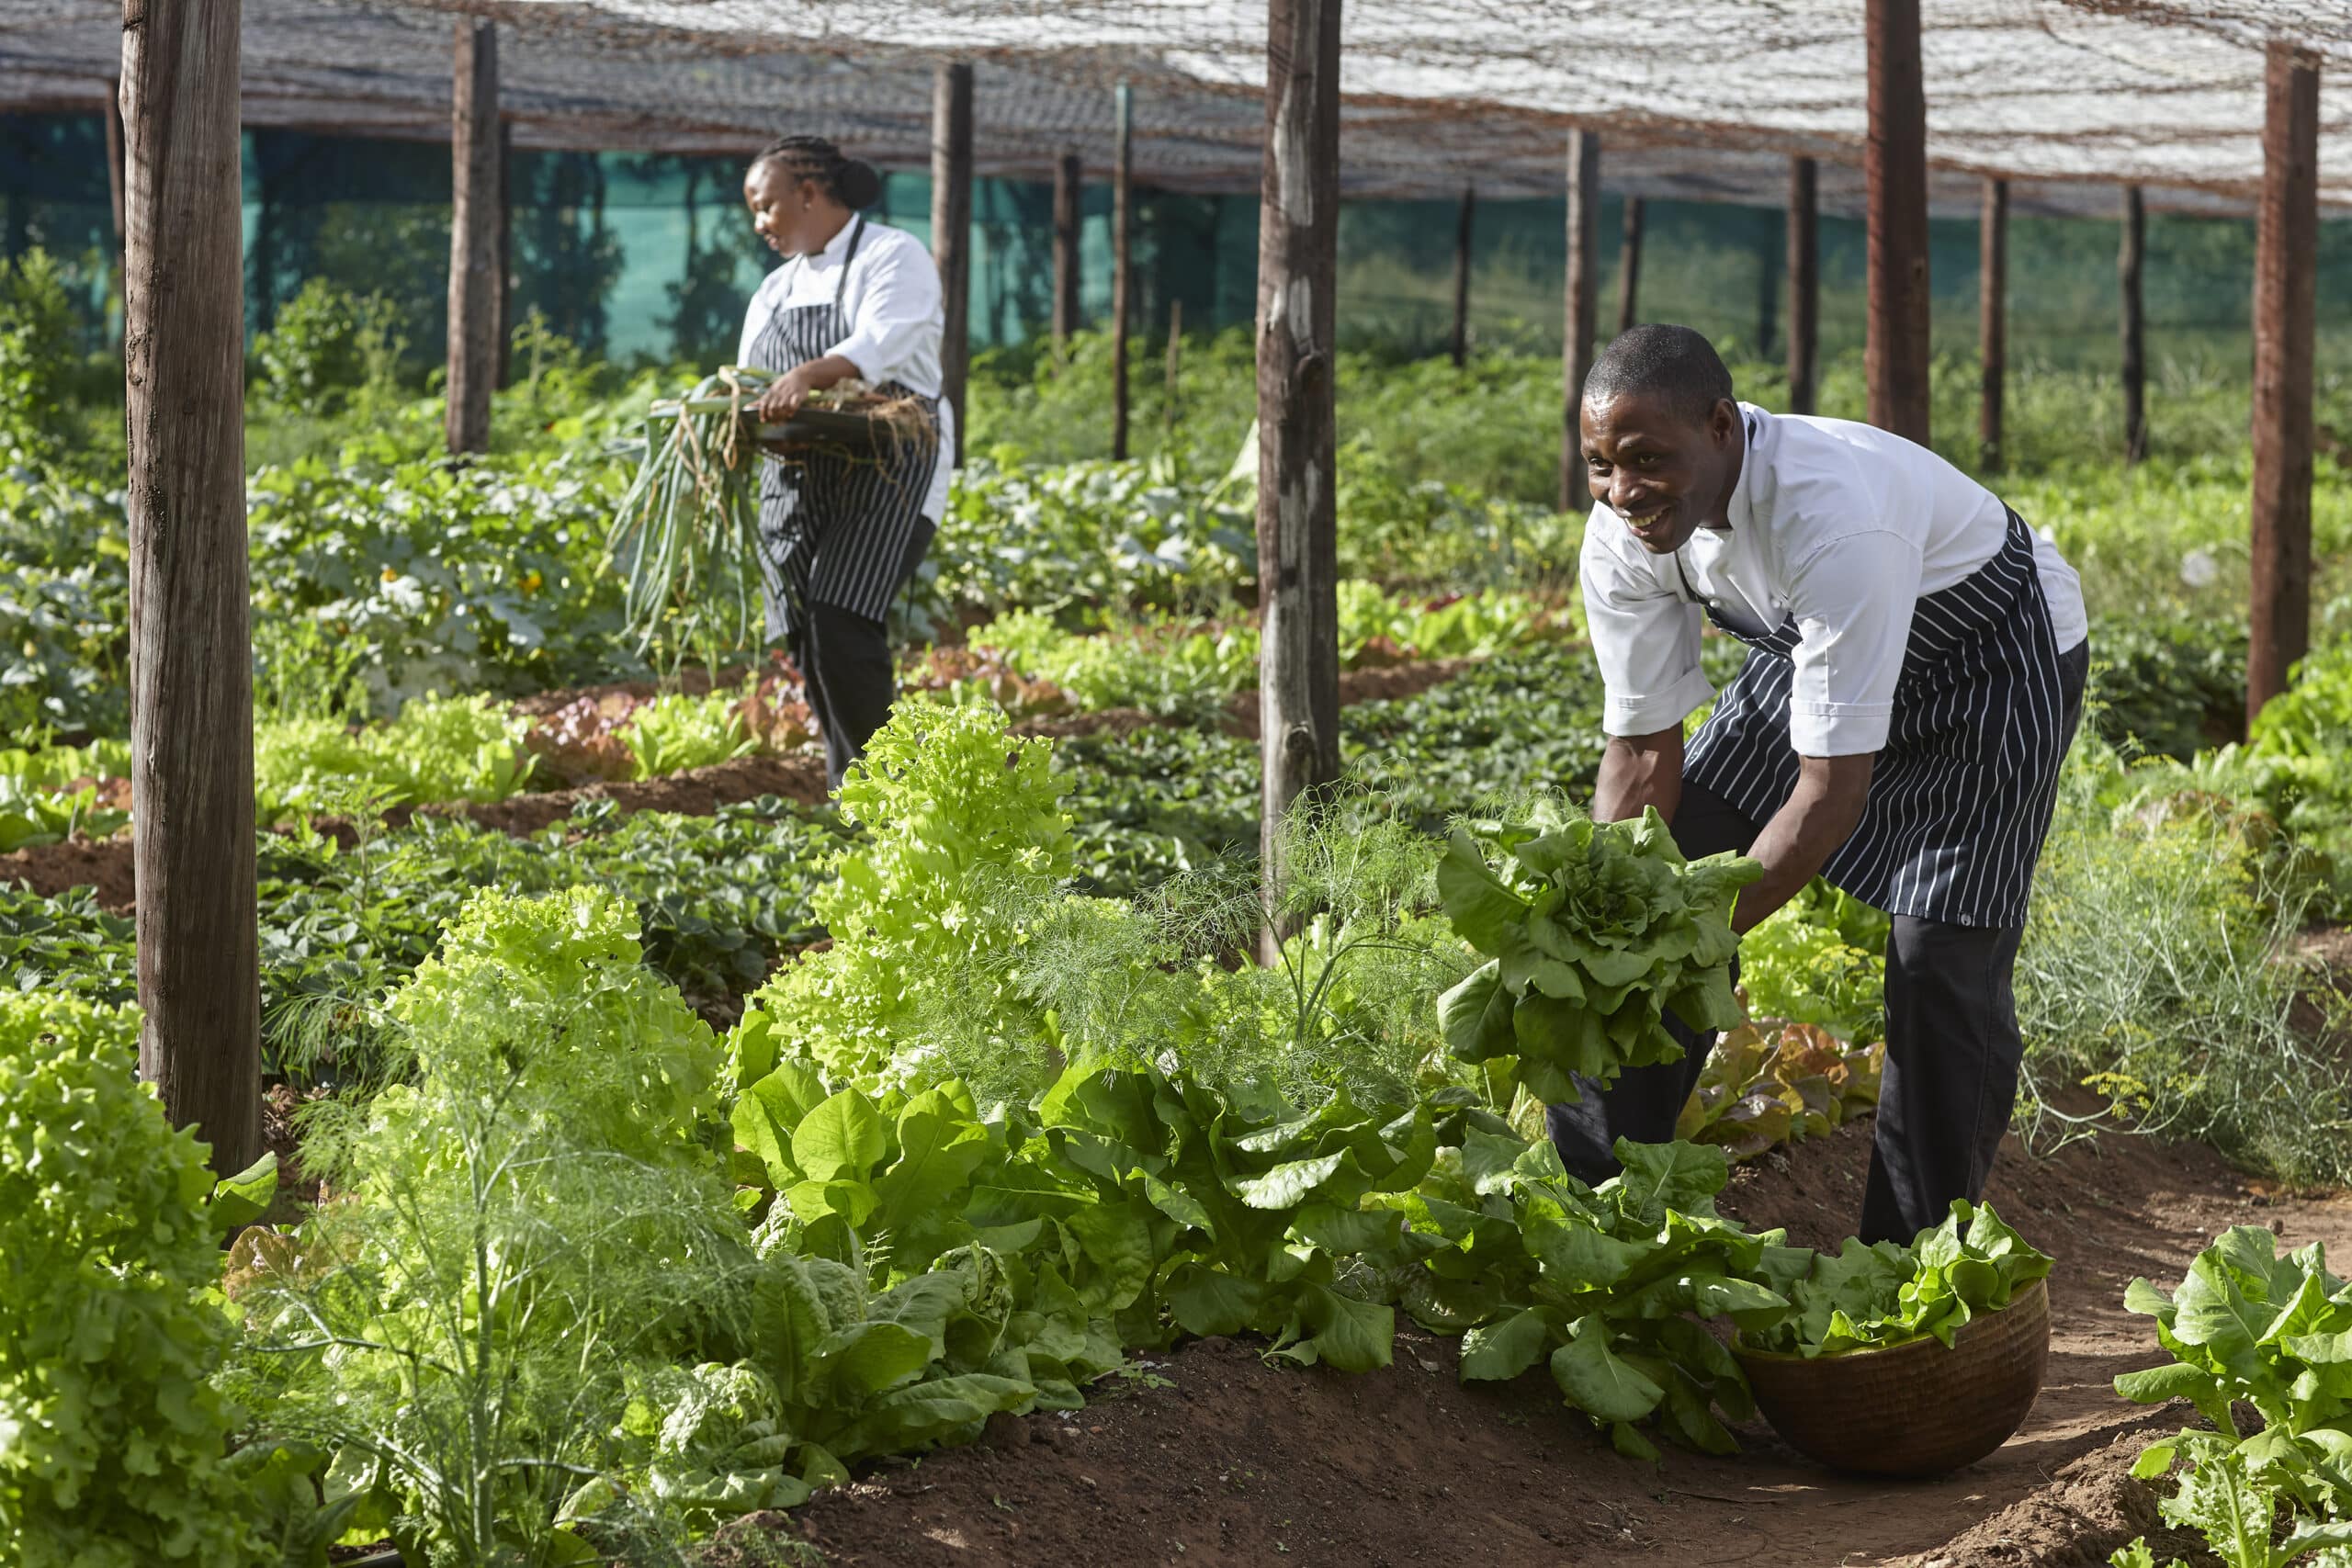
x: 1171, y: 402
x: 1894, y: 162
x: 191, y: 645
x: 2286, y: 240
x: 951, y: 232
x: 1460, y: 343
x: 1629, y: 266
x: 1121, y: 258
x: 1993, y: 319
x: 473, y: 237
x: 114, y: 158
x: 502, y: 233
x: 1066, y: 190
x: 1298, y: 558
x: 1804, y: 284
x: 2129, y: 255
x: 1578, y: 304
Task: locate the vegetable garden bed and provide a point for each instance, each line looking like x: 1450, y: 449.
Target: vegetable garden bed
x: 1214, y: 1455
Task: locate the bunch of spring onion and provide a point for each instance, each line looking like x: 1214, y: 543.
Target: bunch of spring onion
x: 687, y: 533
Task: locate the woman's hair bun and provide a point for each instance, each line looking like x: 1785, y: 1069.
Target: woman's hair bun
x: 852, y: 181
x: 857, y: 184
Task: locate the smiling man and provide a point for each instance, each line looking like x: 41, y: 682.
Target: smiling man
x: 1914, y: 677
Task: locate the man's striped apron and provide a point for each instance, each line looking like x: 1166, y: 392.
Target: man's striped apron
x: 1961, y: 795
x: 835, y: 527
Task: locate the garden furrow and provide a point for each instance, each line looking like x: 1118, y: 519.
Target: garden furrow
x: 105, y: 865
x: 1212, y: 1454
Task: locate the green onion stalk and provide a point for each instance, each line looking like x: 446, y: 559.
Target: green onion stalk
x: 686, y: 536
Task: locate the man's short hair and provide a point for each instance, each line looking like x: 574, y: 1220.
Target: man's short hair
x: 1659, y: 360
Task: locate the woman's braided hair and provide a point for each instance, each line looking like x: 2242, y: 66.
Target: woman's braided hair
x: 852, y: 181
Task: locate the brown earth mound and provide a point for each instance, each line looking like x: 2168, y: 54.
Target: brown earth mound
x: 1214, y: 1455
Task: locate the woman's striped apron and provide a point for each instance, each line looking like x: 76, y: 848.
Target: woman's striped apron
x: 1961, y: 793
x: 835, y: 528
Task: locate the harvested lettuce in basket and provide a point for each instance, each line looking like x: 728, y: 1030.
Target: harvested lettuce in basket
x: 1868, y: 1297
x: 1594, y: 930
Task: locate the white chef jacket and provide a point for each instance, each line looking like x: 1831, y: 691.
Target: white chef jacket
x: 896, y: 319
x: 1842, y: 525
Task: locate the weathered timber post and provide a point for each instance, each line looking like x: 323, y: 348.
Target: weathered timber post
x: 1578, y: 305
x: 2286, y: 240
x: 191, y: 645
x: 1067, y: 193
x: 2130, y: 252
x: 1459, y: 345
x: 1992, y: 320
x: 951, y: 232
x: 1804, y: 283
x: 114, y: 158
x: 1298, y: 567
x: 1894, y: 162
x: 1121, y: 257
x: 1169, y: 410
x: 502, y: 233
x: 1629, y: 266
x: 473, y: 237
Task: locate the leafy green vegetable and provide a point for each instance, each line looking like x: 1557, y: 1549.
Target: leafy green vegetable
x: 115, y: 1453
x: 1593, y: 930
x: 2249, y: 1325
x: 537, y: 1220
x: 676, y: 732
x: 1765, y: 1086
x: 1868, y: 1297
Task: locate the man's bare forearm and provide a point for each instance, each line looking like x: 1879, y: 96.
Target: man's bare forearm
x: 1637, y: 770
x: 1819, y: 815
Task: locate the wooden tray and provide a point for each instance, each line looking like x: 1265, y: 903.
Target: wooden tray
x: 1914, y: 1409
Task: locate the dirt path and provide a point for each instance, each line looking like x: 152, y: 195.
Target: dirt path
x: 1215, y: 1456
x: 105, y: 865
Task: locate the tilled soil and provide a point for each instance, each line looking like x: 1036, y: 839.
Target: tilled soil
x: 105, y: 865
x: 1214, y: 1455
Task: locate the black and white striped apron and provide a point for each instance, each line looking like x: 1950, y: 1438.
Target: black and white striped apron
x: 835, y: 527
x: 1961, y: 793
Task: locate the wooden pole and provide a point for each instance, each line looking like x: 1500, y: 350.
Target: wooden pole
x: 1460, y: 345
x: 2130, y: 253
x: 191, y: 645
x: 114, y: 158
x: 1894, y: 162
x: 1299, y: 563
x: 1121, y: 258
x: 1629, y: 266
x: 473, y: 237
x: 1066, y: 192
x: 1804, y: 283
x: 1993, y: 319
x: 951, y: 232
x: 502, y: 233
x: 1168, y: 411
x: 1578, y: 305
x: 2286, y: 241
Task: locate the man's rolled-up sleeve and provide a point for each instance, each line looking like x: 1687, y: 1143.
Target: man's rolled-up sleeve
x: 1645, y: 639
x: 898, y: 302
x: 1853, y: 599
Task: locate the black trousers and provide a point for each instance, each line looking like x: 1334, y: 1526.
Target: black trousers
x: 844, y: 661
x: 1952, y: 1048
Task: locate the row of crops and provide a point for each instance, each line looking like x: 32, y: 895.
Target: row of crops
x: 680, y: 1162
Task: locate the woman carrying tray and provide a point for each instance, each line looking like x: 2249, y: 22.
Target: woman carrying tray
x: 840, y: 532
x: 1915, y: 677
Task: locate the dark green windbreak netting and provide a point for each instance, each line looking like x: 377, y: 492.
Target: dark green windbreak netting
x: 640, y: 256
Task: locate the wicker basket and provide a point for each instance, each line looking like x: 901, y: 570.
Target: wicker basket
x: 1914, y: 1409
